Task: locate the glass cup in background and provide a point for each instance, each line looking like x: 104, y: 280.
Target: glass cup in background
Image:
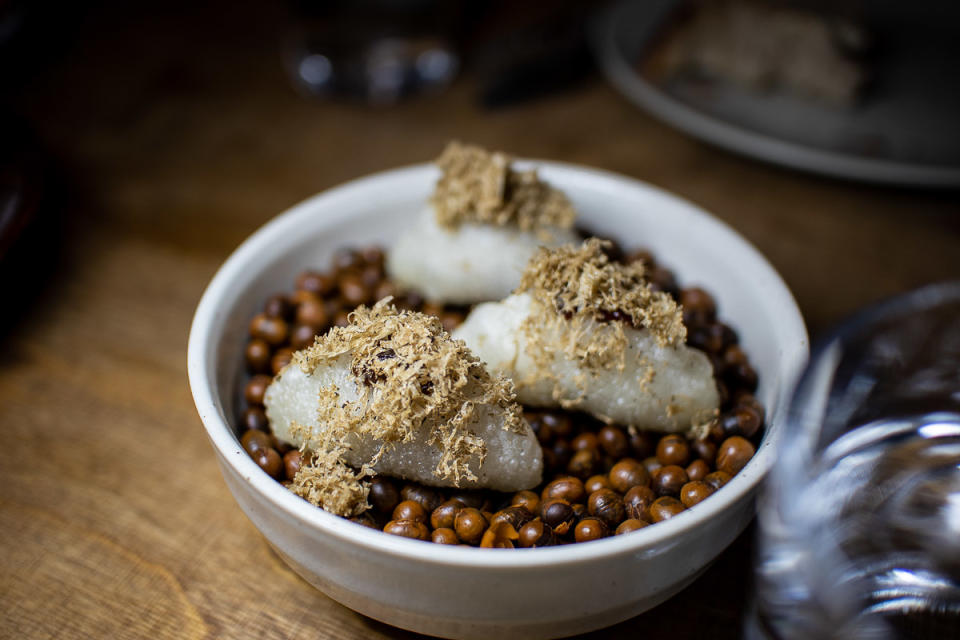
x: 860, y: 521
x: 374, y: 51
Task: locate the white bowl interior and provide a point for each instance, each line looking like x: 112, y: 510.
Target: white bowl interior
x: 700, y: 249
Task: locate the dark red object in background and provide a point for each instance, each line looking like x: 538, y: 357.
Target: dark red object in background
x: 20, y: 188
x: 30, y: 222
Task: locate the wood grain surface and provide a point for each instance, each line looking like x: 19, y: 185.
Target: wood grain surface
x: 173, y: 134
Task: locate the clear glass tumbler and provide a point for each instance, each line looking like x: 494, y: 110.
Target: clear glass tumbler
x: 860, y: 520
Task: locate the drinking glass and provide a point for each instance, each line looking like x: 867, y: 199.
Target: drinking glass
x: 378, y: 51
x: 860, y: 520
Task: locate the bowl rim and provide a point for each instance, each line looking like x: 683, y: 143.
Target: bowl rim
x: 200, y: 369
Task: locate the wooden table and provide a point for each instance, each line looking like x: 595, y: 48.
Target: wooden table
x: 176, y: 135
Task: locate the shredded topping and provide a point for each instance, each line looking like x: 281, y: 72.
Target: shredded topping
x: 326, y: 481
x: 702, y: 421
x: 481, y: 187
x: 588, y: 300
x: 412, y: 379
x: 583, y: 283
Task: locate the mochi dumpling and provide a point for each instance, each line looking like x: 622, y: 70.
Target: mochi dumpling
x: 584, y: 333
x: 484, y: 222
x: 393, y: 393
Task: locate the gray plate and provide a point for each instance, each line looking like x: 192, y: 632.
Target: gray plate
x: 906, y: 131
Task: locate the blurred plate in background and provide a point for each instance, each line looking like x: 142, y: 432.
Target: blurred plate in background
x: 904, y: 130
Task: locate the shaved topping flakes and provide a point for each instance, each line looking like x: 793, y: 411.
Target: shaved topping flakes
x: 586, y: 300
x: 326, y: 480
x: 481, y: 187
x: 413, y: 380
x: 581, y: 283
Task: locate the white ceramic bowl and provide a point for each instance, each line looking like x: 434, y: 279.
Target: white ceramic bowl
x: 463, y: 592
